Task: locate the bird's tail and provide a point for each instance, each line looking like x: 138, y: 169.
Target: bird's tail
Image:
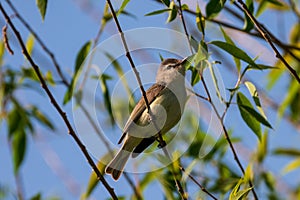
x: 116, y: 166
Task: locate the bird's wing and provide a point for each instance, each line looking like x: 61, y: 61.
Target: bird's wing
x: 152, y: 93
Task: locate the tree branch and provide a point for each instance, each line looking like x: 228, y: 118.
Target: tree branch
x: 266, y: 36
x: 57, y: 107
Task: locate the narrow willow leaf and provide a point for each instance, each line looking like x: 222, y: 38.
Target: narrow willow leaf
x: 166, y: 2
x: 106, y: 96
x: 49, y: 78
x: 157, y: 12
x: 82, y: 54
x: 42, y: 118
x: 250, y: 120
x: 253, y: 91
x: 214, y: 7
x: 173, y: 12
x: 42, y: 5
x: 248, y: 24
x: 248, y: 176
x: 200, y: 20
x: 291, y: 93
x: 120, y: 73
x: 2, y: 50
x: 262, y: 148
x: 30, y: 44
x: 295, y: 164
x: 236, y: 193
x: 18, y: 148
x: 269, y: 180
x: 124, y: 4
x: 230, y: 41
x: 234, y: 51
x: 287, y: 152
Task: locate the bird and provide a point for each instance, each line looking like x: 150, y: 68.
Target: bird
x: 166, y: 98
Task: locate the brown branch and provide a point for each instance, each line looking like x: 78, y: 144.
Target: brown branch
x: 160, y: 138
x: 5, y: 40
x: 235, y: 155
x: 268, y: 39
x: 184, y: 25
x: 66, y: 83
x: 57, y: 107
x: 39, y: 40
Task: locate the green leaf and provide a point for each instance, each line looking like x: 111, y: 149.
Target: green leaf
x: 230, y: 41
x: 157, y: 12
x: 250, y: 120
x: 248, y: 24
x: 214, y: 7
x: 269, y: 180
x: 173, y: 12
x: 2, y: 50
x: 295, y: 164
x: 291, y: 94
x: 42, y: 118
x: 42, y: 5
x: 124, y: 4
x: 252, y: 89
x: 236, y: 193
x: 287, y: 152
x: 82, y: 54
x: 30, y: 44
x: 38, y: 196
x: 18, y: 148
x: 166, y: 2
x: 106, y: 96
x: 234, y: 51
x: 262, y: 148
x: 200, y: 20
x: 120, y: 73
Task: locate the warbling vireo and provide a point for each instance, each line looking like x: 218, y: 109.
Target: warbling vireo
x: 167, y: 98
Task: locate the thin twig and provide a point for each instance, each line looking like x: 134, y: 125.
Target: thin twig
x: 235, y: 155
x: 197, y: 183
x: 39, y: 40
x: 67, y: 84
x: 184, y: 25
x: 56, y: 105
x: 5, y: 40
x: 128, y: 55
x: 266, y: 36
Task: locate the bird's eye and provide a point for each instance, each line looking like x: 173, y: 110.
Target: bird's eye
x: 169, y: 66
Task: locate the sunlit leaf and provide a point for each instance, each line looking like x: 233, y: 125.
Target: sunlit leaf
x: 250, y: 120
x: 295, y: 164
x: 42, y: 5
x: 82, y: 54
x: 213, y: 8
x: 200, y: 21
x: 124, y: 4
x: 30, y: 44
x: 2, y: 50
x: 269, y: 180
x: 253, y: 91
x: 173, y: 12
x: 237, y: 193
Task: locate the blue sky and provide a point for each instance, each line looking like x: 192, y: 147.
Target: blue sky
x: 67, y: 26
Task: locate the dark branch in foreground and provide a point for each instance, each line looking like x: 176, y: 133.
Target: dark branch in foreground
x: 56, y: 105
